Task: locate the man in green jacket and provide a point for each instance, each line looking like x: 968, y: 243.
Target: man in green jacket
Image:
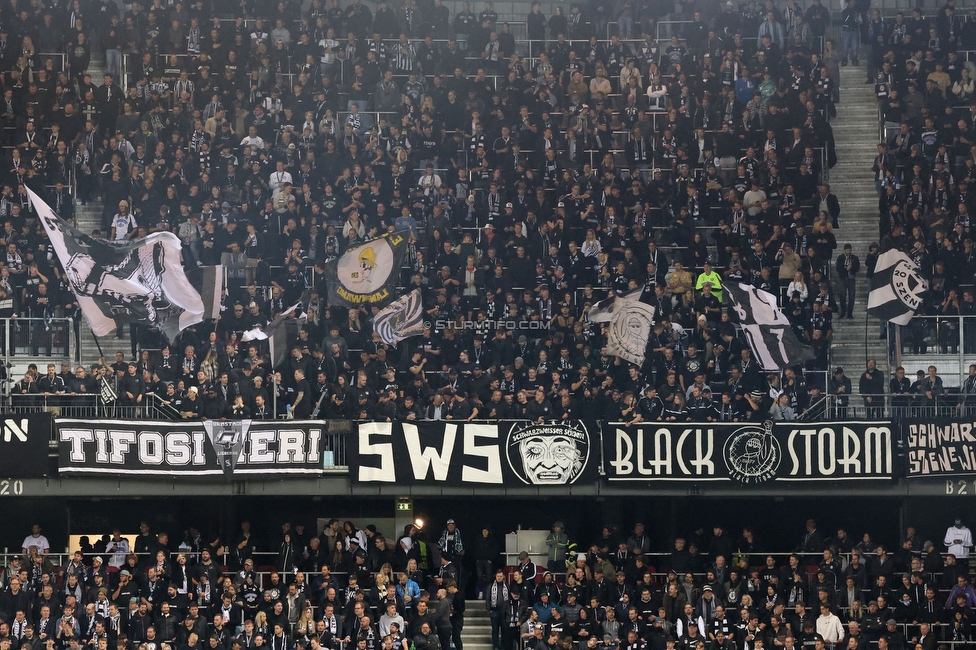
x: 558, y: 543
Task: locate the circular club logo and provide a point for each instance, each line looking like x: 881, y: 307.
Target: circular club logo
x: 752, y: 454
x: 905, y: 281
x: 548, y: 454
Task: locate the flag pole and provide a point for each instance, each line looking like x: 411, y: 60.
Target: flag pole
x: 98, y: 346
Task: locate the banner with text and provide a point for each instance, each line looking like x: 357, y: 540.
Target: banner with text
x: 509, y: 453
x: 189, y: 449
x: 940, y: 447
x: 24, y: 445
x: 748, y: 453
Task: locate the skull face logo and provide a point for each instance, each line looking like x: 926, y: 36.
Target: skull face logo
x: 548, y: 454
x: 549, y: 460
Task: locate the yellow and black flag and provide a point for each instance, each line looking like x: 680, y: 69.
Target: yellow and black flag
x: 367, y: 273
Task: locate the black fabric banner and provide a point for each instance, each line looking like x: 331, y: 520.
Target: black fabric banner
x: 24, y: 445
x: 509, y: 453
x: 940, y: 447
x: 367, y: 273
x: 749, y: 453
x: 190, y: 449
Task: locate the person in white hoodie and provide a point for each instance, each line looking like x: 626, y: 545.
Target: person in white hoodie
x: 959, y: 540
x: 829, y: 626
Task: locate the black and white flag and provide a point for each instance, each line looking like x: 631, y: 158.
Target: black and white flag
x: 401, y: 319
x: 141, y: 281
x: 630, y: 327
x: 277, y: 333
x: 767, y: 329
x: 367, y: 273
x: 897, y: 288
x: 227, y: 438
x: 602, y: 312
x: 212, y: 290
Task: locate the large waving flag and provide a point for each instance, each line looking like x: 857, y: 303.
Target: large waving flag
x: 897, y: 288
x: 401, y: 319
x: 603, y: 311
x: 630, y: 327
x: 367, y: 273
x: 141, y: 281
x: 767, y: 329
x: 277, y: 333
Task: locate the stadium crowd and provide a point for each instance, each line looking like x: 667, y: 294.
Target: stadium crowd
x: 348, y: 587
x: 924, y: 163
x: 531, y: 187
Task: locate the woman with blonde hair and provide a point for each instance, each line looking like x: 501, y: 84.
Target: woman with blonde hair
x: 591, y: 246
x: 798, y: 285
x: 387, y: 571
x: 210, y: 366
x: 261, y: 624
x: 305, y: 628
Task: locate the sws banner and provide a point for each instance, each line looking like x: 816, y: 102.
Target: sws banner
x: 749, y: 453
x: 509, y: 453
x: 189, y: 449
x: 24, y: 445
x: 940, y: 447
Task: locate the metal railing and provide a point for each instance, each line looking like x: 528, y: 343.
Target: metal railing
x: 897, y: 407
x: 37, y: 340
x: 948, y: 342
x: 89, y: 405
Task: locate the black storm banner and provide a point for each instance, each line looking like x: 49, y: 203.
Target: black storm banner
x: 749, y: 453
x: 510, y: 453
x: 24, y: 445
x: 189, y: 449
x: 940, y: 447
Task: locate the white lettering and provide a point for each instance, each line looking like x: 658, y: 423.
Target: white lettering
x: 703, y: 456
x: 260, y: 447
x: 851, y: 459
x: 199, y: 455
x: 624, y: 450
x: 383, y: 450
x: 877, y: 442
x: 178, y: 450
x: 826, y: 460
x: 291, y: 446
x: 424, y: 459
x: 152, y: 448
x: 314, y: 442
x: 77, y: 438
x: 489, y: 451
x: 13, y: 430
x: 793, y: 457
x: 681, y: 451
x: 101, y: 446
x: 121, y: 441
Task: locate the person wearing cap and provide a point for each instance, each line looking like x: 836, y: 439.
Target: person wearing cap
x: 958, y: 541
x: 840, y: 386
x: 558, y: 544
x: 450, y: 543
x: 526, y: 568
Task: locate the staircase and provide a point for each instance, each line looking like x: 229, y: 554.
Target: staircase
x: 856, y: 134
x: 476, y: 634
x: 88, y: 218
